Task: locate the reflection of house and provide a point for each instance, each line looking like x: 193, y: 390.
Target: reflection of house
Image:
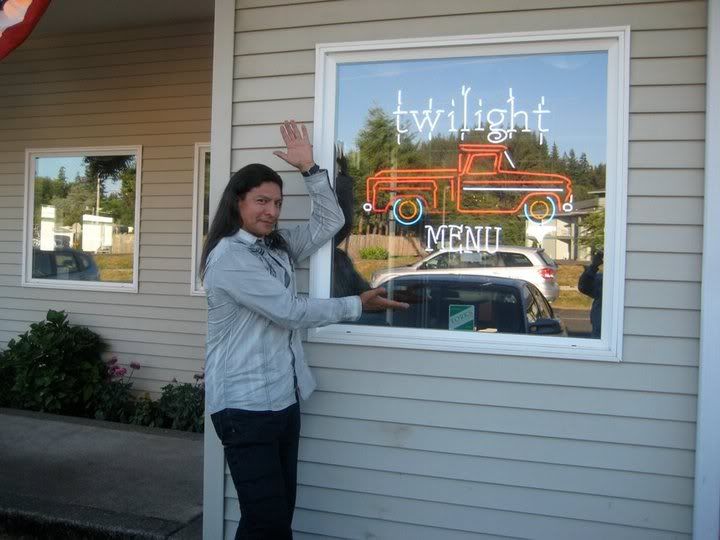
x: 401, y: 443
x: 52, y: 236
x: 97, y: 233
x: 562, y: 235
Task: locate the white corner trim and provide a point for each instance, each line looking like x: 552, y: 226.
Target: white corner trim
x: 706, y: 511
x: 220, y: 135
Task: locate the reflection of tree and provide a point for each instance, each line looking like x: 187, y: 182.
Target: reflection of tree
x: 121, y: 205
x: 593, y: 226
x: 79, y: 200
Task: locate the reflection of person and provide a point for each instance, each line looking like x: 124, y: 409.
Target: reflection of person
x: 346, y: 279
x: 590, y: 283
x: 254, y: 360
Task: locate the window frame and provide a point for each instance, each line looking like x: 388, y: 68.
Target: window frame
x: 199, y: 153
x: 28, y: 215
x: 615, y: 41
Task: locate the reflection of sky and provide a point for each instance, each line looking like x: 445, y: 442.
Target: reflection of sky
x: 574, y: 86
x: 50, y: 166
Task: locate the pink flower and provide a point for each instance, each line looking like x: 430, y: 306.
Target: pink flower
x: 135, y: 365
x: 113, y: 360
x: 120, y: 372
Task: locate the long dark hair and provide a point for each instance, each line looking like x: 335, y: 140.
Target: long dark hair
x: 227, y: 219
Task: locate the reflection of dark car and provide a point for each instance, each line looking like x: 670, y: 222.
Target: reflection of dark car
x: 64, y: 263
x: 479, y: 303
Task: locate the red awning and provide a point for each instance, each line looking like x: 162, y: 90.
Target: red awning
x: 17, y: 20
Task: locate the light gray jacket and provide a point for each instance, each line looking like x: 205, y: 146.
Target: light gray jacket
x: 254, y: 312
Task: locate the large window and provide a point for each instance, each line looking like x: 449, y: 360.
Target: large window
x: 479, y: 176
x: 82, y: 218
x: 201, y: 211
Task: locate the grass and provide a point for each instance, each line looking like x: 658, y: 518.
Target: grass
x: 118, y: 268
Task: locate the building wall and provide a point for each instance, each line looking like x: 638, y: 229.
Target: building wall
x: 426, y: 445
x: 145, y: 86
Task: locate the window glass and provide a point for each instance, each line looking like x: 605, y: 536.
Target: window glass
x: 515, y: 259
x: 83, y: 217
x: 470, y: 167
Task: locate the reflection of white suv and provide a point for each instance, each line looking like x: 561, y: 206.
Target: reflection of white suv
x: 530, y: 264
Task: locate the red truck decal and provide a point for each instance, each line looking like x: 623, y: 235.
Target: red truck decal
x: 480, y: 185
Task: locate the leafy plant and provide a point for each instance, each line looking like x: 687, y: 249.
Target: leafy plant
x: 57, y: 367
x: 183, y: 405
x: 146, y: 413
x: 374, y: 253
x: 114, y: 400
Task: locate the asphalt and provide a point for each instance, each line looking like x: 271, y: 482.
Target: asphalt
x: 72, y: 478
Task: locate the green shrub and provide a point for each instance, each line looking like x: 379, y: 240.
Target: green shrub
x: 183, y: 405
x: 113, y: 400
x: 374, y: 253
x: 56, y: 367
x: 7, y: 381
x: 146, y: 413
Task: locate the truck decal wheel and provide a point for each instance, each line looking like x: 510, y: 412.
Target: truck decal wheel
x: 407, y: 211
x: 540, y: 211
x: 367, y: 207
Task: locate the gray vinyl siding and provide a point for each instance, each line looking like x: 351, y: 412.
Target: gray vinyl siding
x: 142, y: 86
x: 425, y: 445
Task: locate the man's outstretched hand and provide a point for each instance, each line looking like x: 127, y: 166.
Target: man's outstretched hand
x: 299, y: 152
x: 374, y: 300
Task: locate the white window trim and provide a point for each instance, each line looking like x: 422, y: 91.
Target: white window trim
x: 28, y: 281
x: 196, y: 289
x: 616, y: 42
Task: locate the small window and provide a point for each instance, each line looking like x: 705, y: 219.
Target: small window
x: 82, y: 218
x: 481, y: 259
x: 201, y: 212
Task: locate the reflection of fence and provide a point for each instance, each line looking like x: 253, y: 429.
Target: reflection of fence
x: 123, y: 243
x: 398, y: 246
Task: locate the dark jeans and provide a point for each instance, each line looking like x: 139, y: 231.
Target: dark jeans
x: 261, y: 449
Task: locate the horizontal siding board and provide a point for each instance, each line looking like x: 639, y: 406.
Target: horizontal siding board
x: 662, y: 295
x: 347, y: 11
x: 516, y: 395
x: 662, y: 322
x: 620, y: 376
x: 661, y: 350
x: 449, y: 453
x: 673, y: 155
x: 665, y: 211
x: 272, y: 64
x: 665, y: 16
x: 667, y: 99
x: 662, y: 237
x: 119, y: 106
x: 59, y: 297
x: 137, y: 130
x: 464, y: 518
x: 283, y: 87
x: 666, y: 183
x: 322, y: 525
x: 104, y: 119
x: 498, y: 497
x: 668, y: 43
x: 669, y: 434
x: 266, y: 112
x: 663, y: 266
x: 166, y: 226
x: 82, y: 95
x: 109, y: 83
x: 260, y: 136
x: 667, y: 127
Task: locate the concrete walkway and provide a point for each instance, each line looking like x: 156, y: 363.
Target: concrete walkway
x: 63, y: 477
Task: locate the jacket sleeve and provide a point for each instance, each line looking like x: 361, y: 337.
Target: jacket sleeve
x: 326, y: 218
x: 246, y: 280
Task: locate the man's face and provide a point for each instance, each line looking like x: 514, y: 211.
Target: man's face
x: 260, y: 209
